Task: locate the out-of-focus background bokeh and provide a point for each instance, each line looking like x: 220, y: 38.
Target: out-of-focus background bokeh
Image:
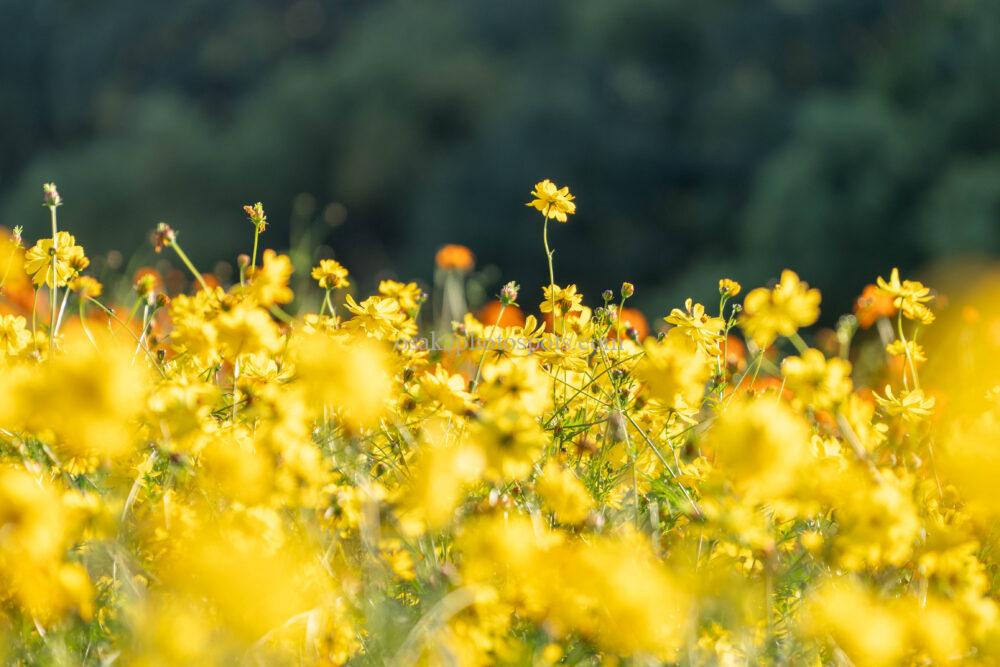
x: 836, y: 137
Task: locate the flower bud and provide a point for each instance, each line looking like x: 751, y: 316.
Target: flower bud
x: 628, y: 289
x: 508, y: 293
x: 50, y: 196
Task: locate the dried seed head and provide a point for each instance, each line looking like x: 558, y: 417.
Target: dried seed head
x: 257, y: 216
x: 163, y: 237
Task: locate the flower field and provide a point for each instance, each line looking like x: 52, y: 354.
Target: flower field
x: 274, y: 469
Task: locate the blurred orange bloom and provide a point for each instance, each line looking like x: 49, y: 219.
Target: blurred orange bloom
x: 454, y: 256
x: 871, y: 305
x: 736, y: 352
x: 512, y: 315
x: 632, y: 317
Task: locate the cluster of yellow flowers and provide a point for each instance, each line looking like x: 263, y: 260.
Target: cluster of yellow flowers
x: 245, y: 473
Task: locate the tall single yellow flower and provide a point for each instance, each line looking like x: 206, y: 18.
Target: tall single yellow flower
x: 69, y: 260
x: 564, y: 299
x: 330, y: 274
x: 552, y: 201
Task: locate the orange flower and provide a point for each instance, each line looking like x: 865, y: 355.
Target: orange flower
x: 758, y: 387
x: 454, y: 256
x: 871, y: 305
x: 769, y: 385
x: 210, y: 279
x: 512, y: 315
x: 632, y: 317
x: 736, y: 352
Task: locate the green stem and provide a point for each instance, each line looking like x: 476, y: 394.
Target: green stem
x: 618, y: 328
x: 482, y: 358
x: 55, y: 275
x: 906, y: 351
x: 552, y: 279
x: 110, y: 313
x: 277, y: 311
x: 187, y: 262
x: 797, y: 341
x: 83, y: 323
x: 256, y: 238
x: 10, y: 264
x: 236, y: 391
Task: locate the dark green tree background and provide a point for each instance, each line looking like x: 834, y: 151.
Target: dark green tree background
x: 837, y: 137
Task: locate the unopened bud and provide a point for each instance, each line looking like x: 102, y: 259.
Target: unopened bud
x: 628, y: 289
x: 608, y: 296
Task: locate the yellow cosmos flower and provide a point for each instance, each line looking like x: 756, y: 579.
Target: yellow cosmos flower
x: 781, y: 311
x: 408, y: 295
x: 552, y: 201
x: 674, y: 370
x: 447, y: 389
x: 565, y: 299
x: 14, y: 335
x: 330, y: 274
x: 907, y: 295
x: 439, y: 481
x: 69, y: 260
x: 816, y: 381
x: 760, y: 448
x: 247, y: 330
x: 698, y: 325
x: 911, y: 349
x: 564, y: 494
x: 511, y: 440
x: 911, y: 405
x: 86, y: 286
x: 866, y: 631
x: 269, y: 282
x: 352, y: 374
x: 378, y: 316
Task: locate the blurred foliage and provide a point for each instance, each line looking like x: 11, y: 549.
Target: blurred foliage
x: 721, y: 137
